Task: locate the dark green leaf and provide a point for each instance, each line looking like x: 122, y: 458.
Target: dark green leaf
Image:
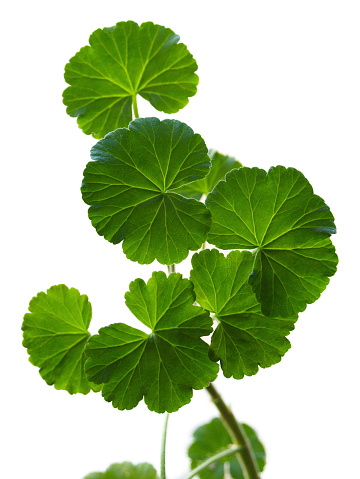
x: 212, y: 438
x: 277, y: 214
x: 55, y: 335
x: 126, y: 470
x: 164, y: 366
x: 120, y: 63
x: 220, y: 165
x: 129, y: 187
x: 244, y: 339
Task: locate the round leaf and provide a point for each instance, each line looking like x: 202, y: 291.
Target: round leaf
x: 220, y: 165
x: 277, y: 214
x: 244, y: 339
x: 120, y: 63
x: 130, y: 189
x: 55, y: 335
x: 126, y: 470
x: 164, y: 366
x: 212, y: 438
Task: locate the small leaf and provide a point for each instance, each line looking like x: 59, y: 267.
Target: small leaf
x: 120, y: 63
x: 55, y: 335
x: 126, y: 470
x: 130, y: 189
x: 244, y: 339
x: 212, y: 438
x: 164, y: 366
x: 220, y: 165
x: 277, y: 214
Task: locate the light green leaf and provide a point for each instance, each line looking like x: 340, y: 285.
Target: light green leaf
x: 55, y: 335
x: 120, y: 63
x: 126, y: 470
x: 163, y: 366
x: 212, y: 438
x: 130, y: 189
x: 244, y: 339
x: 277, y: 214
x: 220, y: 165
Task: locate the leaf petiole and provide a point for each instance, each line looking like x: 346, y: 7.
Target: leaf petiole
x: 135, y: 107
x: 171, y: 268
x: 217, y: 457
x: 163, y: 448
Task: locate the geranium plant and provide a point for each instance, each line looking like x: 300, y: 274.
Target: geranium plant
x: 155, y: 187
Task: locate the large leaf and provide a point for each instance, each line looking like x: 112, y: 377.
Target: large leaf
x: 165, y: 365
x: 277, y: 214
x: 244, y: 338
x: 212, y: 438
x: 220, y: 165
x: 126, y: 470
x: 130, y: 189
x: 120, y: 63
x: 55, y: 335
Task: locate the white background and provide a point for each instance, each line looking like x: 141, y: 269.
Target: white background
x: 279, y: 84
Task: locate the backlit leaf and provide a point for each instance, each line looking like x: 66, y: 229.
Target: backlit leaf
x: 278, y: 215
x: 220, y: 165
x: 120, y: 63
x: 126, y: 470
x: 212, y: 438
x: 130, y: 189
x: 55, y: 335
x: 244, y: 338
x: 163, y: 366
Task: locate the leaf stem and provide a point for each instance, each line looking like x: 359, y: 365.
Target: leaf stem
x: 135, y: 107
x: 245, y: 455
x: 171, y: 268
x: 230, y: 451
x: 163, y: 447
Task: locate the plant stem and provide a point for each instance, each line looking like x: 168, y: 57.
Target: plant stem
x: 245, y: 456
x: 217, y: 457
x: 135, y: 107
x: 163, y: 447
x: 171, y: 268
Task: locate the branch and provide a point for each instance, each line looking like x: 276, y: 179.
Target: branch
x: 245, y: 455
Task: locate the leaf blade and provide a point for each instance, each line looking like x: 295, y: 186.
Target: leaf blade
x: 121, y: 62
x: 55, y: 334
x: 277, y: 214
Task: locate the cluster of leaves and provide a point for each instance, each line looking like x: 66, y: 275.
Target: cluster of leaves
x: 145, y: 187
x: 155, y: 187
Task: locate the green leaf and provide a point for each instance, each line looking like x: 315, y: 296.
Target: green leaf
x: 55, y: 335
x: 220, y: 165
x: 126, y: 470
x: 163, y: 366
x: 130, y: 189
x: 212, y: 438
x: 120, y: 63
x: 277, y: 214
x: 244, y: 339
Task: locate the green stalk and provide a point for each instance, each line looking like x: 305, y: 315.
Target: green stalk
x: 171, y: 268
x: 217, y: 457
x: 245, y: 455
x: 163, y: 447
x: 135, y: 107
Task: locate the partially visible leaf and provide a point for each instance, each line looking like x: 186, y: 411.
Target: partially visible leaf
x: 55, y: 335
x: 212, y: 438
x: 126, y: 470
x: 120, y: 63
x: 244, y: 338
x: 129, y: 188
x: 220, y: 165
x: 278, y: 215
x: 164, y: 366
